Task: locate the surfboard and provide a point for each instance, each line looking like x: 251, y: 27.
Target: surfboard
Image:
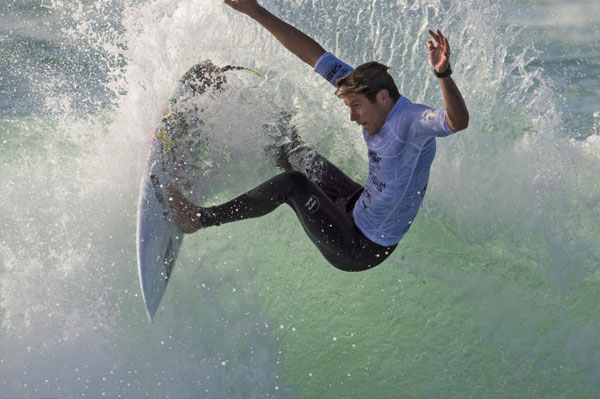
x: 158, y: 236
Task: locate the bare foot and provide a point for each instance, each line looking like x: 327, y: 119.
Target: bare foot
x: 187, y: 215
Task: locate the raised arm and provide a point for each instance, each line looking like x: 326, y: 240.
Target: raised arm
x: 457, y: 115
x: 294, y: 40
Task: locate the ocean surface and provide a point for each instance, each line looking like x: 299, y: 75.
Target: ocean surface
x: 493, y: 293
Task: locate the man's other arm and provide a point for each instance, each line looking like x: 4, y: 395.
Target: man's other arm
x: 457, y: 115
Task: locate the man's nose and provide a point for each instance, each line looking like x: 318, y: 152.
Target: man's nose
x: 353, y: 116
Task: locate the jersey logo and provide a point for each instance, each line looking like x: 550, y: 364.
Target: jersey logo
x: 331, y: 73
x: 312, y: 205
x: 336, y: 70
x: 429, y: 115
x: 379, y: 185
x: 374, y: 157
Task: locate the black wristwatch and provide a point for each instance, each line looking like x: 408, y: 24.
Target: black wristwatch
x: 444, y: 74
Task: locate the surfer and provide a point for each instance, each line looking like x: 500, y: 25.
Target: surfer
x: 354, y: 227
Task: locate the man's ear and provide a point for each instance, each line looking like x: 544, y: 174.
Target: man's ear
x: 383, y: 96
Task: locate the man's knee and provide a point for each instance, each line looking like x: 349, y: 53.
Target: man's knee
x: 295, y: 186
x: 297, y: 178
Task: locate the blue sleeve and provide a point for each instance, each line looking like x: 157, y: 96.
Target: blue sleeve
x: 331, y: 68
x: 432, y: 122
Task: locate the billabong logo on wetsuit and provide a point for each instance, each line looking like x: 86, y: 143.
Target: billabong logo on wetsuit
x: 312, y: 205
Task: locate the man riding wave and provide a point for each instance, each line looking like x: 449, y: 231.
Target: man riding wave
x: 354, y: 227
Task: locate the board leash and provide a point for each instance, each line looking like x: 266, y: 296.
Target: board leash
x: 240, y: 68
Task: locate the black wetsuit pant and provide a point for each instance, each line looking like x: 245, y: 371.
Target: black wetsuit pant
x: 324, y: 208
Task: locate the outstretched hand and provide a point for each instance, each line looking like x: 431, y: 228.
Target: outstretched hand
x: 243, y: 6
x: 439, y: 55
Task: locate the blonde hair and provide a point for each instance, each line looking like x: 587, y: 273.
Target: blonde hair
x: 368, y: 79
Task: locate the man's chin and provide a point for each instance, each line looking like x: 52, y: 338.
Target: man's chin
x: 370, y: 131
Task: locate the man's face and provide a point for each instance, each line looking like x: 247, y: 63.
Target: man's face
x: 370, y: 116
